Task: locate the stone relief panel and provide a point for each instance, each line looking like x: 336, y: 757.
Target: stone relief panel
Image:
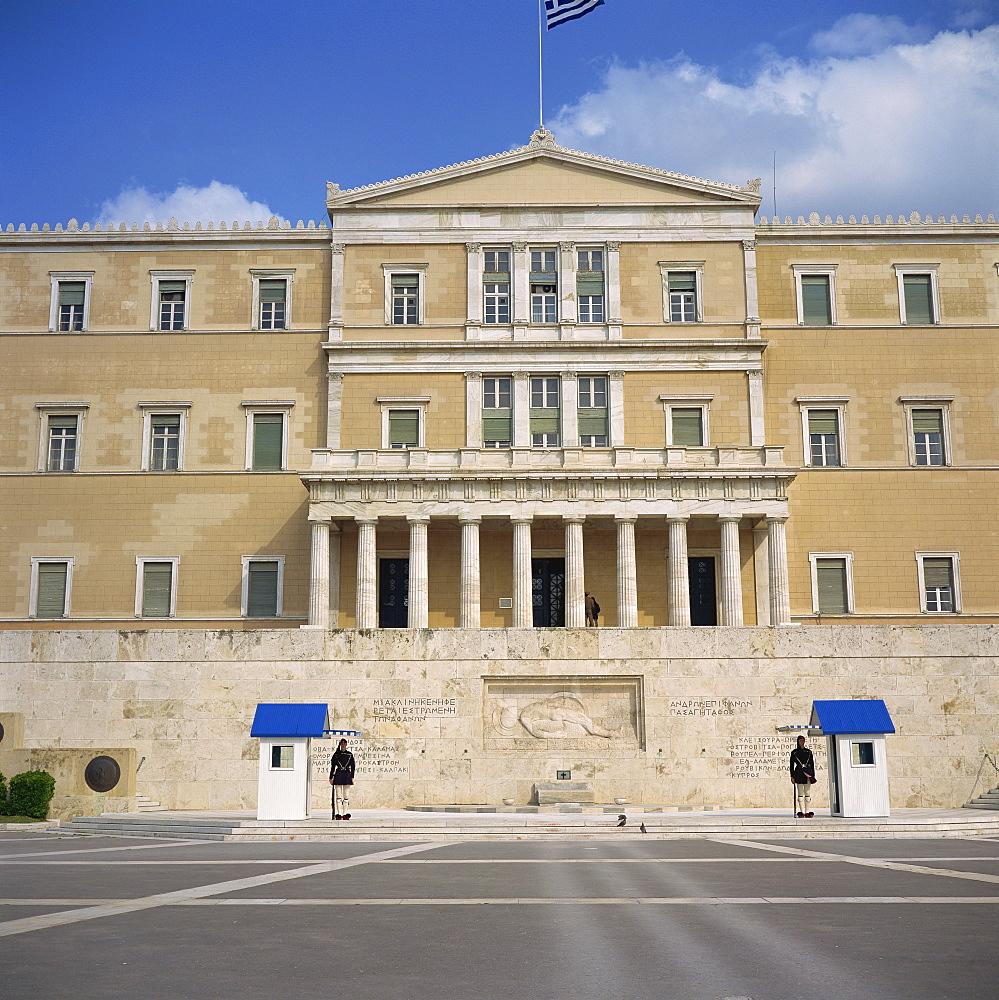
x: 563, y: 713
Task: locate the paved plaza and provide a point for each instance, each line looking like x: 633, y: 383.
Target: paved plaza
x: 670, y: 919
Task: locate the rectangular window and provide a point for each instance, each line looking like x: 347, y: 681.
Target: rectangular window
x: 72, y: 297
x: 268, y: 441
x: 917, y: 291
x: 273, y: 294
x: 164, y: 442
x: 405, y: 299
x: 816, y: 304
x: 938, y: 578
x: 173, y: 302
x: 497, y: 412
x: 861, y: 753
x: 928, y: 437
x: 544, y: 286
x: 682, y: 296
x: 50, y: 588
x: 832, y: 586
x: 404, y: 428
x: 823, y: 437
x: 592, y: 411
x: 263, y: 582
x: 63, y: 435
x: 156, y: 586
x: 283, y: 758
x: 496, y: 302
x: 687, y: 426
x: 590, y: 286
x: 545, y: 412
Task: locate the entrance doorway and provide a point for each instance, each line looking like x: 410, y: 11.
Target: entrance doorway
x: 393, y: 593
x: 703, y: 597
x: 548, y: 592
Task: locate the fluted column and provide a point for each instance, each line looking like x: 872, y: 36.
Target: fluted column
x: 679, y: 576
x: 367, y: 573
x: 335, y: 537
x: 471, y: 613
x: 419, y: 596
x: 319, y: 575
x: 627, y: 588
x: 731, y: 571
x: 523, y: 607
x: 575, y: 601
x: 780, y: 594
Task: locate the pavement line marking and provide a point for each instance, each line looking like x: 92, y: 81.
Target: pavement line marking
x: 62, y: 917
x: 866, y: 862
x: 103, y: 850
x: 291, y: 862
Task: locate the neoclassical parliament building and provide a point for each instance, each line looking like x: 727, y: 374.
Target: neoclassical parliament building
x: 467, y: 398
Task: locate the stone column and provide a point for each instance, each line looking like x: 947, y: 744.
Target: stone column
x: 612, y: 282
x: 335, y: 535
x: 367, y: 573
x: 521, y: 410
x: 473, y: 409
x: 523, y: 605
x: 780, y: 594
x: 521, y: 285
x: 567, y: 282
x: 752, y: 295
x: 474, y: 252
x: 678, y: 590
x: 419, y: 597
x: 731, y: 570
x: 319, y: 575
x: 627, y: 588
x: 336, y: 289
x: 575, y: 601
x: 569, y: 402
x: 757, y: 425
x: 615, y: 409
x: 471, y: 614
x: 334, y: 404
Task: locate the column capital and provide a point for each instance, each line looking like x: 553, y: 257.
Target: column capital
x: 366, y: 519
x: 473, y: 247
x: 776, y: 518
x: 748, y: 245
x: 521, y: 376
x: 574, y: 518
x: 334, y: 376
x: 339, y: 247
x: 755, y: 373
x: 320, y: 519
x: 470, y: 519
x: 625, y: 518
x: 519, y: 247
x: 418, y: 518
x: 677, y: 518
x: 613, y: 246
x: 522, y: 519
x: 730, y: 518
x: 567, y: 245
x: 568, y: 373
x: 473, y: 375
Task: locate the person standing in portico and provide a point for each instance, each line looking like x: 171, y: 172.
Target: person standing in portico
x: 803, y: 777
x: 592, y: 610
x: 342, y: 768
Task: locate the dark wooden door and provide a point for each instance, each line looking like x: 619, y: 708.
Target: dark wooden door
x: 548, y: 592
x: 393, y: 593
x: 703, y: 597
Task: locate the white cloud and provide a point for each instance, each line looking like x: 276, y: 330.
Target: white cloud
x: 907, y: 127
x: 215, y: 202
x: 862, y: 34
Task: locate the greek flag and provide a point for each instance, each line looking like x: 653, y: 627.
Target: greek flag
x: 559, y: 11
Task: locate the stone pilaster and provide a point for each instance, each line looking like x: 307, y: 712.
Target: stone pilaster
x: 731, y: 571
x: 367, y: 573
x: 523, y: 607
x: 419, y: 595
x: 627, y: 588
x: 575, y: 605
x: 471, y: 613
x: 319, y: 575
x: 678, y: 590
x: 780, y: 595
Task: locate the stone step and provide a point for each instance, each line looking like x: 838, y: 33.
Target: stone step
x: 988, y: 800
x: 144, y: 804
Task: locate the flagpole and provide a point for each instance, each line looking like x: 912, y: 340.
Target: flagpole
x: 541, y: 101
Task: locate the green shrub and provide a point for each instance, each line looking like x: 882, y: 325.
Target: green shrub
x: 3, y: 795
x: 30, y: 794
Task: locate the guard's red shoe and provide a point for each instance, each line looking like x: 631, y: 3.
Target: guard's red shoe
x: 338, y: 817
x: 800, y: 815
x: 809, y: 815
x: 347, y: 816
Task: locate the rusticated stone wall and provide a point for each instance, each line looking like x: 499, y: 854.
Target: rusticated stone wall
x: 664, y: 715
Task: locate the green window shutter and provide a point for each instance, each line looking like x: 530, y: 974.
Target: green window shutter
x: 497, y: 425
x: 927, y: 422
x: 157, y: 578
x: 496, y: 278
x: 404, y: 428
x: 544, y: 420
x: 172, y: 287
x: 268, y: 438
x: 938, y: 573
x: 71, y: 293
x: 272, y: 290
x: 823, y: 422
x: 682, y: 281
x: 590, y: 283
x: 405, y: 281
x: 544, y: 277
x: 51, y: 602
x: 815, y: 304
x: 62, y: 421
x: 163, y: 422
x: 593, y: 420
x: 687, y: 427
x: 262, y: 589
x: 830, y: 578
x: 918, y: 293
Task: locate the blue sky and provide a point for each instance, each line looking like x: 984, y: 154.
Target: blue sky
x: 224, y: 109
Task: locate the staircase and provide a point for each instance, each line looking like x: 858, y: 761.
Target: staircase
x: 147, y: 805
x: 990, y: 800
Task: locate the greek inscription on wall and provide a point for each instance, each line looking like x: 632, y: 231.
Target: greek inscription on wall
x: 757, y: 756
x: 412, y: 709
x: 702, y: 707
x: 374, y: 759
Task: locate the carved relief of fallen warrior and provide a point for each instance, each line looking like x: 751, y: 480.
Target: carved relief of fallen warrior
x: 558, y: 716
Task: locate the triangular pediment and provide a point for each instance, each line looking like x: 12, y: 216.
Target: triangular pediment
x: 543, y: 174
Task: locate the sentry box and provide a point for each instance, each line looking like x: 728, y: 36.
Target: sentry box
x: 858, y: 763
x: 284, y: 780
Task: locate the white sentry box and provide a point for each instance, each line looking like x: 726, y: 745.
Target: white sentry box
x: 284, y: 776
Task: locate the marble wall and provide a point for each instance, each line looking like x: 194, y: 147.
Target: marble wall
x: 660, y: 715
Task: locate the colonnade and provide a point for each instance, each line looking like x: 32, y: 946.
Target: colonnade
x: 324, y: 556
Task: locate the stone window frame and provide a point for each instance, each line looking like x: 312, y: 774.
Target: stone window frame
x: 697, y: 266
x: 251, y: 407
x: 165, y: 408
x: 805, y: 270
x: 687, y: 401
x: 140, y: 572
x: 155, y: 277
x: 36, y: 561
x: 955, y: 575
x: 57, y: 278
x: 942, y: 403
x: 258, y: 274
x: 847, y: 557
x: 244, y: 593
x: 68, y: 409
x: 837, y: 403
x: 420, y: 270
x: 901, y: 270
x: 390, y: 403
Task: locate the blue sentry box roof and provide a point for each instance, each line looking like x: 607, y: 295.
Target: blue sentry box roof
x: 840, y: 718
x: 290, y: 720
